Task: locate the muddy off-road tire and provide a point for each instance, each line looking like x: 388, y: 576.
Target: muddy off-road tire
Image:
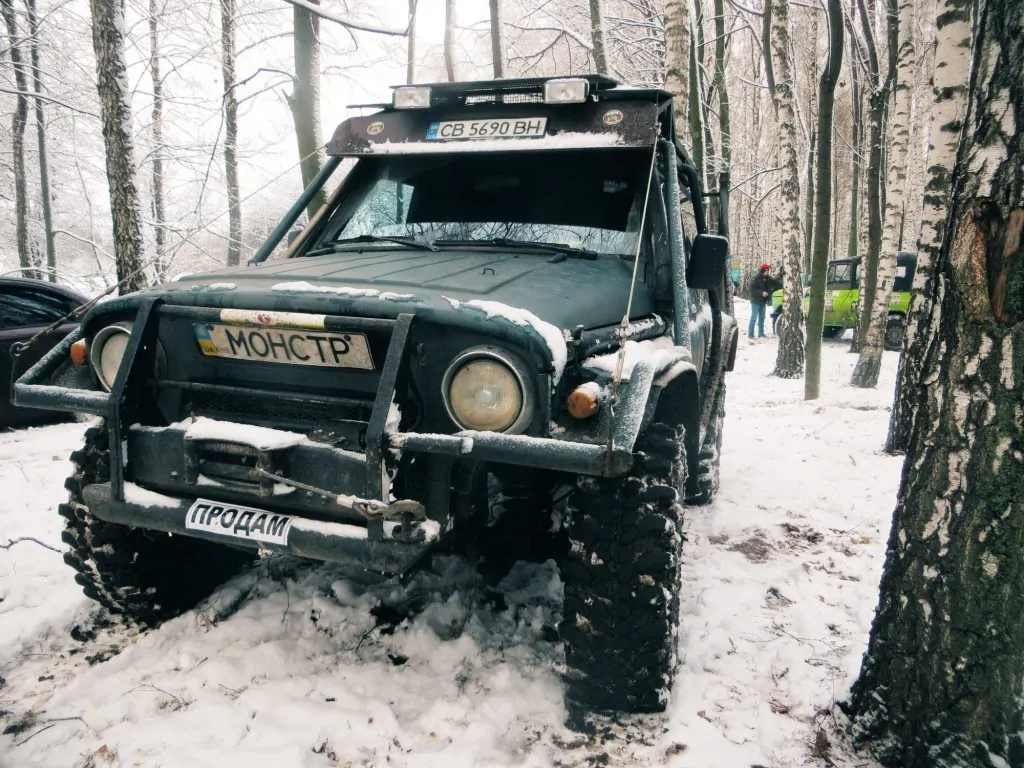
x: 702, y: 487
x: 146, y: 576
x: 621, y: 581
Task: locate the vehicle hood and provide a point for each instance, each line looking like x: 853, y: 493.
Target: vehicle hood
x: 384, y: 282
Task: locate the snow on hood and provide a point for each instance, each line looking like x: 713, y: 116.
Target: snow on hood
x: 661, y: 351
x: 553, y: 337
x: 302, y: 286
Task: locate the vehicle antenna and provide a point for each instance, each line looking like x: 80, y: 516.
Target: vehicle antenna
x: 624, y: 325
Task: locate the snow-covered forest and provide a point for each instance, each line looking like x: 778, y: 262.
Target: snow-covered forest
x: 854, y: 596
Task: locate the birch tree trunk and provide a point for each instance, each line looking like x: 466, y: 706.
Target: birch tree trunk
x: 108, y: 27
x: 941, y: 680
x: 677, y: 62
x: 449, y: 39
x: 44, y: 158
x: 230, y: 107
x: 877, y: 103
x: 949, y: 89
x: 497, y: 39
x: 853, y: 242
x: 823, y: 203
x: 597, y: 37
x: 305, y: 100
x: 18, y: 120
x: 724, y: 119
x: 410, y: 57
x: 789, y: 362
x: 160, y: 265
x: 901, y: 38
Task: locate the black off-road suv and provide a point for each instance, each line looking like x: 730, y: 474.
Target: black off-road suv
x: 508, y: 322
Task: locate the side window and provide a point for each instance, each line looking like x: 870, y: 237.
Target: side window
x: 26, y: 307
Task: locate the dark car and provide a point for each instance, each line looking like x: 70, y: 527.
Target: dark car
x: 26, y: 308
x: 506, y: 330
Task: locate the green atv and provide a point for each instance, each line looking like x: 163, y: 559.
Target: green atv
x: 842, y: 283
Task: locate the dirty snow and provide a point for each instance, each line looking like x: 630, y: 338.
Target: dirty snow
x: 285, y: 665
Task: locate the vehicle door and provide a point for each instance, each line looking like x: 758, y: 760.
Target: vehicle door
x: 24, y: 311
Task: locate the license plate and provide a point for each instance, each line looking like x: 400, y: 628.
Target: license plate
x: 284, y: 345
x: 506, y: 128
x: 246, y: 523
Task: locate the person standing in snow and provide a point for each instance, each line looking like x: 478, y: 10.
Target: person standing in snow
x: 761, y: 289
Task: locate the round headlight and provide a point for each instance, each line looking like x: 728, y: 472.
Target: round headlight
x: 107, y: 351
x: 487, y: 391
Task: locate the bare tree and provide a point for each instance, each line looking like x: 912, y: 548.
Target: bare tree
x: 823, y: 203
x: 497, y: 39
x: 941, y: 679
x: 18, y: 121
x: 789, y: 362
x: 721, y: 88
x: 597, y: 36
x: 881, y: 328
x: 230, y: 107
x: 410, y: 54
x: 449, y: 39
x: 108, y: 27
x: 875, y: 183
x: 305, y: 99
x: 44, y: 157
x: 159, y: 209
x: 677, y: 60
x: 949, y: 89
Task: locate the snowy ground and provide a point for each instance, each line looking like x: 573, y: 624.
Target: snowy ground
x: 284, y: 666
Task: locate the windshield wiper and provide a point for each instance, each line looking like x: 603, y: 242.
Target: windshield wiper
x: 332, y: 246
x: 564, y: 251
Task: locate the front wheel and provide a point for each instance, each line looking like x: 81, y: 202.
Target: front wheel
x: 146, y: 576
x: 621, y: 580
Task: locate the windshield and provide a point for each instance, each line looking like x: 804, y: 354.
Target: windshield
x: 587, y: 200
x: 841, y: 274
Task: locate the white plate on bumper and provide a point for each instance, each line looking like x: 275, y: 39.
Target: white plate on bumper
x: 245, y: 523
x: 284, y: 345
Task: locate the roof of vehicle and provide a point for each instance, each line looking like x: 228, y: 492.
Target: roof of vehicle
x: 611, y: 115
x: 25, y: 282
x: 903, y: 257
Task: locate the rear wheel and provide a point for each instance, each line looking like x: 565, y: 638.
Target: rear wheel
x: 621, y: 580
x: 146, y: 576
x: 895, y: 327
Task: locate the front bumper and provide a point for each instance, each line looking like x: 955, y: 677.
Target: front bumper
x: 327, y: 490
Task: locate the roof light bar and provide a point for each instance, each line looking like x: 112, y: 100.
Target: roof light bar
x: 417, y: 97
x: 566, y: 91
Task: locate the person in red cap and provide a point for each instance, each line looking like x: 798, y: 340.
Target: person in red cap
x: 761, y: 289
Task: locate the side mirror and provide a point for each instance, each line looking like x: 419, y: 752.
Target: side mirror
x: 294, y: 234
x: 708, y: 258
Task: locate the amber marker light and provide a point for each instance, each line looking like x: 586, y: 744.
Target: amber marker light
x: 584, y: 401
x: 79, y: 353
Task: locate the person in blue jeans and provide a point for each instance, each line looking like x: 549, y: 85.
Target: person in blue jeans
x: 761, y: 289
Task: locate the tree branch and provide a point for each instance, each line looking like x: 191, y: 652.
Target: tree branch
x: 11, y: 542
x: 316, y: 10
x: 43, y: 97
